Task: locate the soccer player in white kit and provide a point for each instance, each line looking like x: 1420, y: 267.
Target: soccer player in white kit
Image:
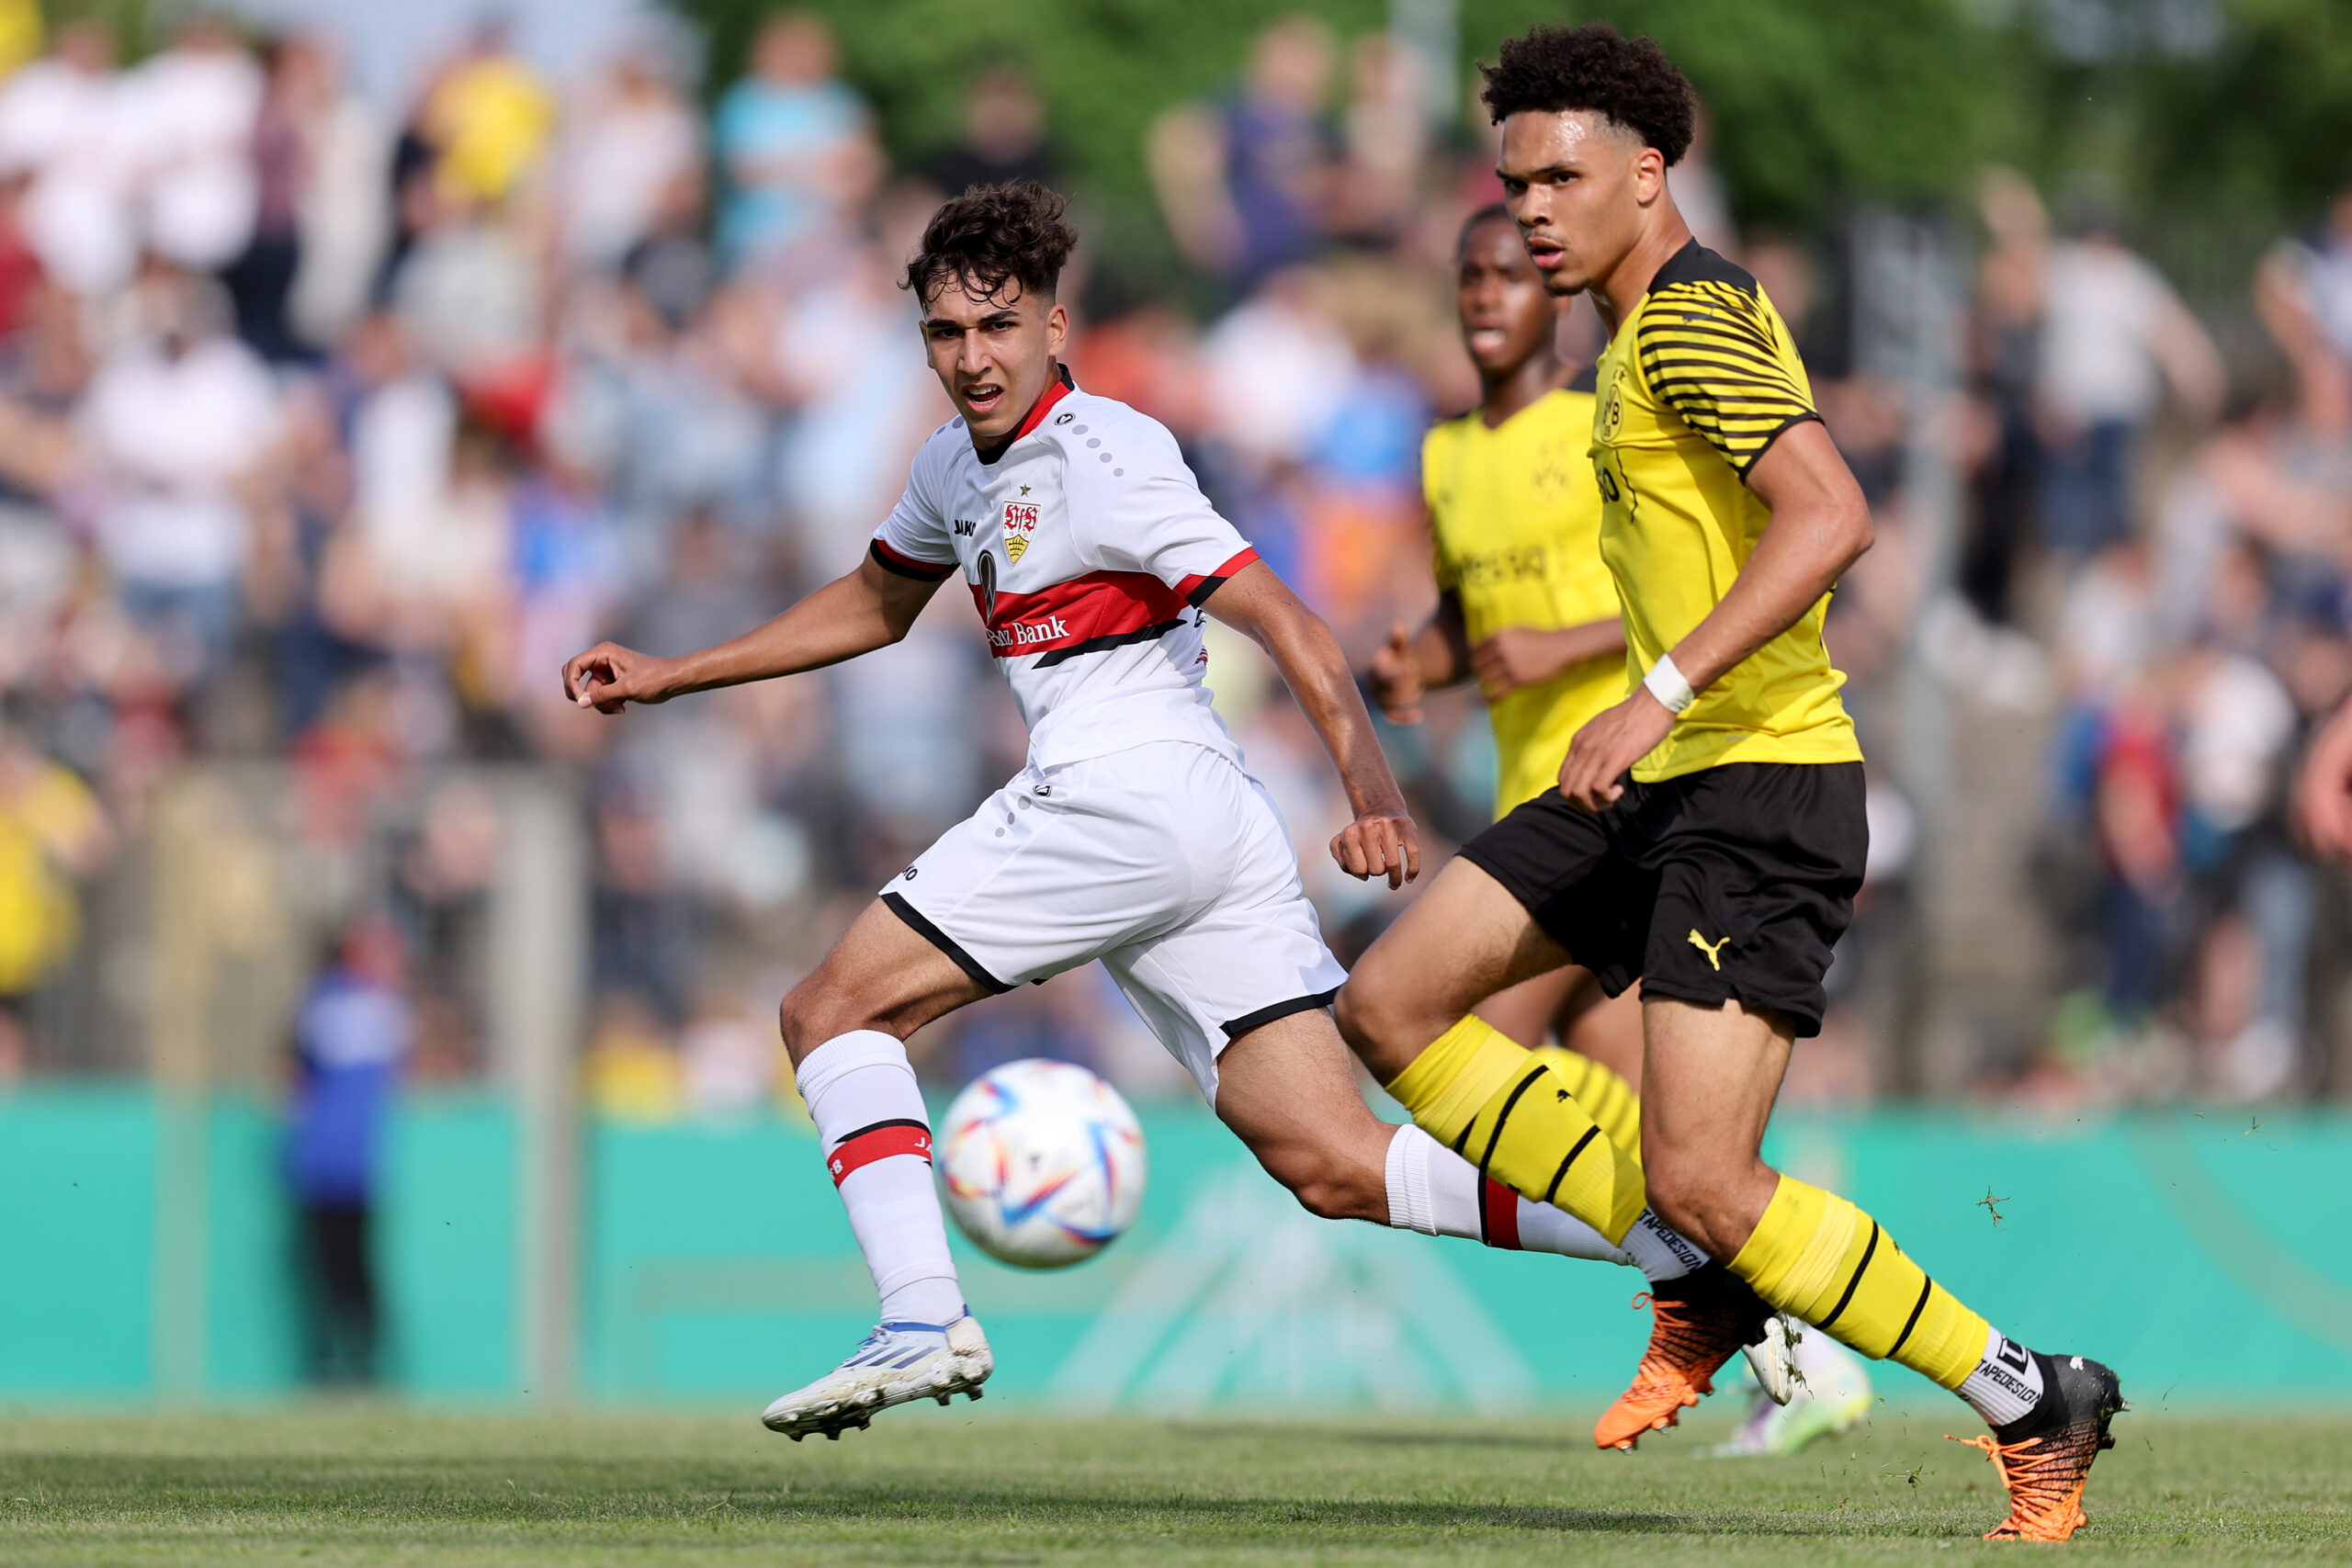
x: 1133, y: 835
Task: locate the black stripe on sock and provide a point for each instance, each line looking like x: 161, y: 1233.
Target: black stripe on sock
x: 1912, y: 1322
x: 1494, y: 1137
x: 1860, y: 1269
x: 1562, y: 1174
x: 877, y: 1126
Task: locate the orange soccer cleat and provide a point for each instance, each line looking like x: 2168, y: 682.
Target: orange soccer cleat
x: 1698, y: 1322
x: 2045, y: 1459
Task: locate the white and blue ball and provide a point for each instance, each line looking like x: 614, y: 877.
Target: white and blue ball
x: 1042, y: 1163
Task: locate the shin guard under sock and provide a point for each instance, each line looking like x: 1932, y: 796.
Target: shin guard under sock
x: 1515, y: 1118
x: 877, y: 1140
x: 1816, y: 1256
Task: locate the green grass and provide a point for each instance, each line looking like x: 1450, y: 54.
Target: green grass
x: 368, y: 1484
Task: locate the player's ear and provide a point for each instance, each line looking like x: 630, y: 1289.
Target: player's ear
x: 1057, y: 327
x: 1650, y: 173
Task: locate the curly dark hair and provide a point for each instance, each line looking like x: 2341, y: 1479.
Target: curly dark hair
x: 991, y: 236
x: 1553, y: 70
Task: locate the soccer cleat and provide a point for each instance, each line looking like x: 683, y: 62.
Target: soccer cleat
x: 1697, y: 1324
x: 897, y: 1363
x: 2044, y: 1458
x: 1832, y: 1395
x: 1770, y: 1358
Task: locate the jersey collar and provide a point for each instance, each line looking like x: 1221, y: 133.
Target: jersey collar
x: 1696, y: 264
x: 1062, y: 387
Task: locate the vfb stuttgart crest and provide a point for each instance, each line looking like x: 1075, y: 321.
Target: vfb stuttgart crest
x: 1020, y: 524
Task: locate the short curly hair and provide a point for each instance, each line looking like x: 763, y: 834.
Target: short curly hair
x: 1553, y: 70
x: 991, y: 236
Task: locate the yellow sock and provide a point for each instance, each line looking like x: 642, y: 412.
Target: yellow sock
x: 1518, y: 1121
x: 1606, y: 1098
x: 1819, y: 1257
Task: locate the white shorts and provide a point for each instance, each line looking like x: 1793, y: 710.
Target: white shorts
x: 1167, y: 861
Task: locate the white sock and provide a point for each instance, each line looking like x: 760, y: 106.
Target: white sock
x: 2006, y: 1383
x: 1437, y: 1193
x: 877, y: 1138
x: 1661, y: 1251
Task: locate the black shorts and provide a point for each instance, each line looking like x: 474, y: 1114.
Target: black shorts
x: 1734, y: 881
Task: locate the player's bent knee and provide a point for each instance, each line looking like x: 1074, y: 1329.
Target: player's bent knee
x: 1324, y: 1187
x: 815, y: 1011
x: 1376, y: 1024
x: 1700, y: 1200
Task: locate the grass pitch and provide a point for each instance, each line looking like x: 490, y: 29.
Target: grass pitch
x: 365, y: 1485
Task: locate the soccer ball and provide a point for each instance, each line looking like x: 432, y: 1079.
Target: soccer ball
x: 1043, y: 1164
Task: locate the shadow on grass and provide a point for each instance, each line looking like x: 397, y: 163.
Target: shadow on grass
x: 297, y: 1496
x: 1568, y: 1440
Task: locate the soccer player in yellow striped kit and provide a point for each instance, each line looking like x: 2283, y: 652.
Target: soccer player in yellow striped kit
x: 1525, y: 606
x: 1706, y: 836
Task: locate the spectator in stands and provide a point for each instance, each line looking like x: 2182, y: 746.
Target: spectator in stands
x: 261, y: 281
x: 1248, y: 187
x: 57, y: 128
x: 187, y: 118
x: 630, y: 160
x: 53, y: 836
x: 2113, y: 336
x: 179, y: 428
x: 796, y: 143
x: 489, y: 121
x: 1003, y: 140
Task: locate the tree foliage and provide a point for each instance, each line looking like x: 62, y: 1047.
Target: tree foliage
x: 1816, y: 103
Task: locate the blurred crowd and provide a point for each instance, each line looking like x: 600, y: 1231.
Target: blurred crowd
x: 326, y: 433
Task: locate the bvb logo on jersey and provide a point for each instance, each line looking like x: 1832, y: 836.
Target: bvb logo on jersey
x: 1020, y: 524
x: 1614, y: 414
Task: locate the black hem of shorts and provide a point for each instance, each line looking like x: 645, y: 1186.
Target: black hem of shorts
x: 1803, y: 1023
x: 1266, y: 1015
x: 942, y: 940
x: 1507, y: 877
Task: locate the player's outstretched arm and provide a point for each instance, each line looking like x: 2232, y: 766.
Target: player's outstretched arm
x: 1412, y: 664
x: 868, y: 609
x: 1820, y: 526
x: 1382, y: 840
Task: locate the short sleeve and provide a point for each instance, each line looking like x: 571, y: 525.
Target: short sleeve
x: 1143, y: 511
x: 913, y: 541
x: 1718, y: 354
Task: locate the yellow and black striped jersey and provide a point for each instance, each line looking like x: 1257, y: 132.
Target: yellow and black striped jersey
x: 1699, y: 379
x: 1515, y: 519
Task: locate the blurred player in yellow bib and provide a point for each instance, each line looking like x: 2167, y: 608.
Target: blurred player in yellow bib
x: 1525, y: 604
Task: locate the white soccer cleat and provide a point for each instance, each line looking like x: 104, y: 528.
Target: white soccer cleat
x: 1769, y: 1358
x: 897, y: 1363
x: 1833, y: 1396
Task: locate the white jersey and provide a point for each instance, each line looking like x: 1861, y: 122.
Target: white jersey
x: 1089, y: 549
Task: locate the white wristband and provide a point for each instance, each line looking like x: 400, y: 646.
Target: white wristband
x: 1666, y: 683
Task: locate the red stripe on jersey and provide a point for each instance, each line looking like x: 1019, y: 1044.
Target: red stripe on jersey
x: 1084, y: 609
x: 1199, y: 587
x: 884, y: 1140
x: 1498, y: 1214
x: 1036, y: 415
x: 907, y: 566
